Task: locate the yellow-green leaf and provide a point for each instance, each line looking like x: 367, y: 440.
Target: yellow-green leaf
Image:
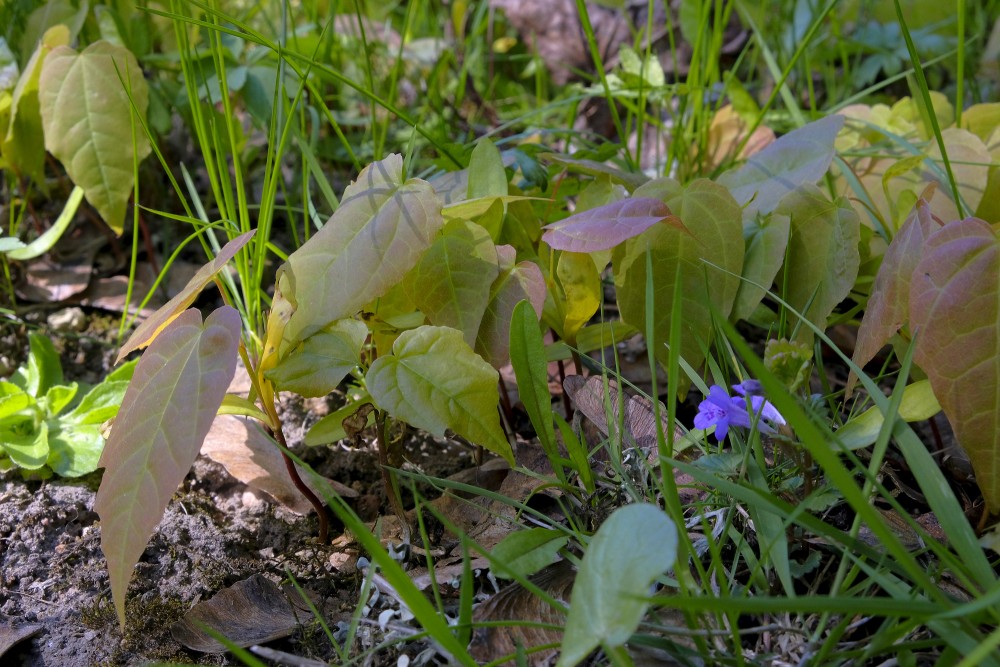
x: 86, y: 114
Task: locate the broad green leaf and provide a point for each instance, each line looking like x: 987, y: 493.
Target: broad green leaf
x: 888, y: 307
x: 27, y: 447
x: 527, y: 356
x: 637, y: 544
x: 714, y: 233
x: 379, y: 233
x: 43, y: 370
x: 318, y: 364
x: 13, y: 399
x: 605, y: 227
x: 982, y: 119
x: 581, y: 286
x: 516, y: 282
x: 525, y: 552
x: 451, y: 282
x: 955, y: 310
x: 24, y: 144
x: 232, y: 404
x: 74, y: 450
x: 86, y: 114
x: 59, y: 396
x: 165, y: 415
x: 487, y: 176
x: 434, y: 381
x: 970, y: 162
x: 151, y: 327
x: 918, y: 404
x: 823, y: 257
x: 766, y: 239
x: 798, y: 158
x: 470, y: 209
x: 99, y: 404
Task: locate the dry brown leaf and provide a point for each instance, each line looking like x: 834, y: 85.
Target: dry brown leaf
x: 253, y: 611
x: 12, y: 634
x: 242, y: 447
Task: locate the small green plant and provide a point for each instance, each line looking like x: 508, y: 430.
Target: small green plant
x: 49, y: 427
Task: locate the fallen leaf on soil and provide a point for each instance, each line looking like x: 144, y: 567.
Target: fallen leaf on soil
x: 253, y: 458
x: 252, y: 611
x: 515, y: 603
x: 12, y: 634
x: 47, y: 280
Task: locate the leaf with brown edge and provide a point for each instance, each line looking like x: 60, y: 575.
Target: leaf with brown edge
x: 155, y: 323
x: 606, y: 226
x: 955, y: 311
x: 888, y: 307
x: 169, y: 406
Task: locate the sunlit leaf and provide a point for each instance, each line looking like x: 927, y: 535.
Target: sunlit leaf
x: 451, y: 282
x: 86, y: 114
x: 434, y: 381
x: 799, y: 157
x: 487, y: 176
x: 24, y: 144
x: 27, y: 447
x: 606, y: 226
x: 822, y: 260
x: 74, y: 450
x: 380, y: 231
x: 918, y: 404
x: 581, y: 286
x: 609, y: 595
x: 318, y: 364
x: 167, y: 411
x: 955, y: 311
x: 154, y: 324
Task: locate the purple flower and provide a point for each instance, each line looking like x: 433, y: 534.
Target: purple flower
x: 722, y: 411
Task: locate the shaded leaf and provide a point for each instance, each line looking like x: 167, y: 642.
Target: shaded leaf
x: 379, y: 233
x: 525, y: 552
x: 715, y: 233
x: 434, y: 381
x: 487, y: 176
x: 527, y: 356
x: 822, y: 259
x: 799, y: 157
x: 766, y: 239
x: 153, y: 325
x: 26, y: 445
x: 606, y: 226
x: 252, y: 611
x: 168, y: 409
x: 955, y: 310
x: 516, y: 282
x: 318, y: 364
x: 631, y: 180
x: 888, y: 307
x: 86, y: 114
x: 451, y: 282
x: 608, y: 598
x: 862, y: 430
x: 74, y: 450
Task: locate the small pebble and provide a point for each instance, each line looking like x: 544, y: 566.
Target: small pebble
x: 250, y: 499
x: 68, y: 319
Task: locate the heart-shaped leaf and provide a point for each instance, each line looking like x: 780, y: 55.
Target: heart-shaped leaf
x: 516, y: 282
x: 86, y: 114
x: 955, y: 310
x: 608, y: 598
x: 606, y: 226
x: 799, y: 157
x: 320, y: 362
x: 434, y: 381
x: 766, y: 239
x: 380, y: 232
x: 165, y: 415
x: 451, y: 283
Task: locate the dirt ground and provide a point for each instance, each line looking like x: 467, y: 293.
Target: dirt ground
x: 217, y: 531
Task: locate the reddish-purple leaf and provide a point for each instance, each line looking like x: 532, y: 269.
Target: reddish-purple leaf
x: 606, y: 226
x: 889, y: 306
x: 167, y: 411
x: 955, y: 312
